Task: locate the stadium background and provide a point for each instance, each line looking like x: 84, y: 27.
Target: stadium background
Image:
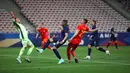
x: 50, y: 13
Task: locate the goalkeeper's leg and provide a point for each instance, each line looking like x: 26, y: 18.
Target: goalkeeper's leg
x: 31, y: 47
x: 20, y: 54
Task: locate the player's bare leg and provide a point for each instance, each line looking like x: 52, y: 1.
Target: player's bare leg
x: 40, y: 50
x: 103, y: 50
x: 109, y: 43
x: 27, y: 58
x: 69, y: 53
x: 44, y: 46
x: 20, y: 54
x: 58, y: 55
x: 116, y: 45
x: 73, y: 53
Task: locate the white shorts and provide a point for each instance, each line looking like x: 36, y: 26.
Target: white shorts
x: 26, y: 42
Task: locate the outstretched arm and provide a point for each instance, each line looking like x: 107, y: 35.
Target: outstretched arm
x: 75, y: 34
x: 12, y: 14
x: 37, y: 35
x: 92, y: 30
x: 66, y: 36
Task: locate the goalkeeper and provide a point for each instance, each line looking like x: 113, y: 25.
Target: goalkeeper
x: 27, y: 44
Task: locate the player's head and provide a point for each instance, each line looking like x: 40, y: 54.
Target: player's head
x: 93, y: 22
x: 17, y: 20
x: 64, y: 22
x: 84, y: 21
x: 39, y: 26
x: 112, y: 29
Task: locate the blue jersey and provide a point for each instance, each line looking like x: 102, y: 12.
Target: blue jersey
x: 94, y: 35
x: 112, y: 34
x: 65, y: 30
x: 94, y: 38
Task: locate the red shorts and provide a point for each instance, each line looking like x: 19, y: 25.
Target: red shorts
x: 75, y: 41
x: 43, y: 42
x: 73, y: 44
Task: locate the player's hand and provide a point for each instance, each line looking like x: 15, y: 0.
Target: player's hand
x: 69, y: 40
x: 12, y: 14
x: 61, y: 28
x: 62, y: 42
x: 53, y: 36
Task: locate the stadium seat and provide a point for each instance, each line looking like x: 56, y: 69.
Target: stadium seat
x: 52, y: 12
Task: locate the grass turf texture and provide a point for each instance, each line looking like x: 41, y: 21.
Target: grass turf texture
x: 118, y: 62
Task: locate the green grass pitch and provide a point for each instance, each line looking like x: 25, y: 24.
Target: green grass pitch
x: 118, y: 62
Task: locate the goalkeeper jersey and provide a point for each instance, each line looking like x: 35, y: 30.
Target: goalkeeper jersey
x: 23, y: 32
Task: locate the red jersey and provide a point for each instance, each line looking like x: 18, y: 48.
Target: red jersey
x: 44, y: 33
x: 82, y: 29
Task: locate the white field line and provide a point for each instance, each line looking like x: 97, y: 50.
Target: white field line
x: 60, y: 66
x: 108, y: 63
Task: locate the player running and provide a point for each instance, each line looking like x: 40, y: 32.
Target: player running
x: 63, y: 38
x: 59, y: 42
x: 112, y: 39
x: 44, y: 34
x: 76, y: 39
x: 23, y: 38
x: 94, y: 40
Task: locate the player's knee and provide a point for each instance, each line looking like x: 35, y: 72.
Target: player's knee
x: 32, y: 46
x: 115, y: 42
x: 23, y: 49
x: 51, y: 39
x: 109, y: 41
x: 72, y: 50
x: 89, y: 46
x: 97, y: 48
x: 68, y: 49
x: 54, y: 47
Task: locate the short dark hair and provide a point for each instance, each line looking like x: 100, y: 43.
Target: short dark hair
x: 66, y: 21
x: 85, y: 20
x: 112, y: 29
x: 94, y: 21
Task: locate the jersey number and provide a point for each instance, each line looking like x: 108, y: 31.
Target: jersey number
x: 82, y: 32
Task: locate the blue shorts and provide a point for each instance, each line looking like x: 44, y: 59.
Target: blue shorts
x: 94, y: 42
x: 113, y: 39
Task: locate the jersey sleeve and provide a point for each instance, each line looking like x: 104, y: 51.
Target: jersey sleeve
x: 16, y: 24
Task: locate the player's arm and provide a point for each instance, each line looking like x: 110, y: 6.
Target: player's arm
x: 90, y: 30
x: 75, y: 34
x: 61, y: 28
x: 14, y: 19
x: 112, y: 32
x: 12, y: 14
x: 66, y: 36
x: 37, y: 34
x: 66, y: 30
